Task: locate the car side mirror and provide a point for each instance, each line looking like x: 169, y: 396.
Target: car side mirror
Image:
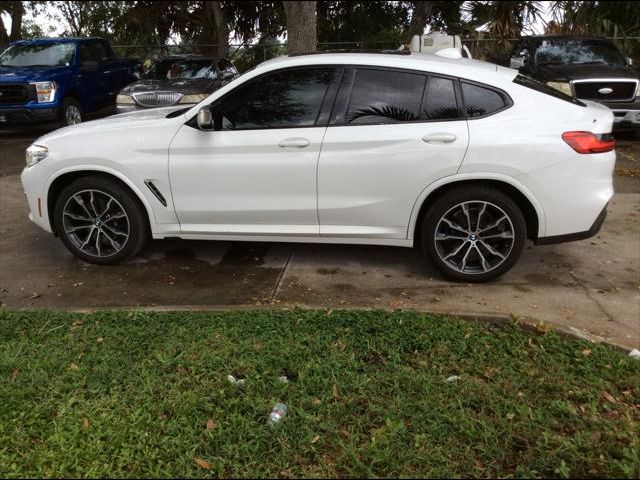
x: 205, y: 119
x: 89, y: 66
x: 227, y: 75
x: 628, y: 61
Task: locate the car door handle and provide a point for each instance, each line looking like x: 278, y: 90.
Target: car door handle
x: 294, y: 143
x: 439, y: 138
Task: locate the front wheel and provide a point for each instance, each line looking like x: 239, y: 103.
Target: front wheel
x: 474, y: 234
x: 71, y: 112
x: 100, y: 221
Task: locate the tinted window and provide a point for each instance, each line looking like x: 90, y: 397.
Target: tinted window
x: 382, y: 96
x: 285, y: 99
x: 87, y: 54
x: 440, y: 100
x: 101, y: 52
x: 479, y: 101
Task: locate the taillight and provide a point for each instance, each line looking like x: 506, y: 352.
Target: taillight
x: 587, y: 142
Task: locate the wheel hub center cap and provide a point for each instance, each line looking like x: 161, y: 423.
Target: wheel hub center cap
x: 473, y: 237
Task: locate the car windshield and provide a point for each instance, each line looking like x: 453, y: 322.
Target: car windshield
x: 41, y: 55
x: 172, y: 69
x: 576, y: 52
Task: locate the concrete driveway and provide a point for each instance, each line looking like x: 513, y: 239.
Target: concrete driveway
x: 591, y: 287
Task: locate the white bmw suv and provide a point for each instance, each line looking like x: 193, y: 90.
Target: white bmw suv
x: 463, y: 158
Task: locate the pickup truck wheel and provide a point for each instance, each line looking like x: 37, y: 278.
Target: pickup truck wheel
x: 474, y: 234
x: 71, y: 112
x: 99, y: 221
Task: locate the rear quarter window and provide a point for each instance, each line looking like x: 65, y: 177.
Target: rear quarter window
x: 481, y: 101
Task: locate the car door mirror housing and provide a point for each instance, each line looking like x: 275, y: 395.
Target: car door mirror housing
x: 205, y: 119
x: 519, y: 60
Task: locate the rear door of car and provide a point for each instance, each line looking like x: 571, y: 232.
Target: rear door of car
x: 392, y: 133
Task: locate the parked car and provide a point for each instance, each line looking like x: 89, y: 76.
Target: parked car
x: 177, y: 80
x: 466, y: 159
x: 587, y: 68
x: 60, y: 79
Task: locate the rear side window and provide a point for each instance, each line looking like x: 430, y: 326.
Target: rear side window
x: 287, y: 99
x: 480, y: 101
x: 383, y: 96
x: 440, y: 100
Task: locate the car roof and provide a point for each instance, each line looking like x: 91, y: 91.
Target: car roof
x: 58, y: 39
x: 462, y: 67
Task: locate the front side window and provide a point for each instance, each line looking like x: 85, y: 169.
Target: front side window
x: 440, y: 100
x: 383, y: 96
x: 38, y: 55
x: 480, y: 101
x: 286, y: 99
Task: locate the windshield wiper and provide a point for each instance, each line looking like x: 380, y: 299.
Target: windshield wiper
x: 551, y: 62
x: 589, y: 63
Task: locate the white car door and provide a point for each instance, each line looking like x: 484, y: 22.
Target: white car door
x: 392, y: 136
x: 255, y: 174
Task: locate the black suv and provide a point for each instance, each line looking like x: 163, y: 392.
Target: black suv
x: 588, y: 68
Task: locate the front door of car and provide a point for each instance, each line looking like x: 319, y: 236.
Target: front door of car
x: 94, y: 77
x: 392, y: 134
x: 255, y: 172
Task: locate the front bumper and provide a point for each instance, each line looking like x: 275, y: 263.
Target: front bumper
x: 20, y: 116
x: 626, y: 115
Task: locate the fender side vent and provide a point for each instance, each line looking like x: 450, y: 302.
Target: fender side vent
x: 156, y: 192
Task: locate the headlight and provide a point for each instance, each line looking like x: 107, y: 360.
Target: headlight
x: 196, y: 98
x: 46, y: 91
x: 561, y: 86
x: 35, y: 153
x: 124, y: 99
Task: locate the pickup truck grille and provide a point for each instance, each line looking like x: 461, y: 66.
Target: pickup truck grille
x: 611, y: 90
x: 15, y: 93
x: 156, y: 99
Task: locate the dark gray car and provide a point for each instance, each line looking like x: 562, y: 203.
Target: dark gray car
x: 176, y: 81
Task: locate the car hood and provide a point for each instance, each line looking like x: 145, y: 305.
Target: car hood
x: 565, y: 73
x: 185, y: 86
x: 128, y: 121
x: 29, y: 74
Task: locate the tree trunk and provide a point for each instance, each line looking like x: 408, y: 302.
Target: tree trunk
x: 17, y: 11
x: 4, y: 38
x: 222, y: 30
x: 302, y: 36
x: 419, y: 17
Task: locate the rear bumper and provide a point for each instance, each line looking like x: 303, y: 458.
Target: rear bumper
x: 572, y: 237
x: 20, y: 116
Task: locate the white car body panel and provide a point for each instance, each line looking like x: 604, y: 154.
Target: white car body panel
x: 352, y: 184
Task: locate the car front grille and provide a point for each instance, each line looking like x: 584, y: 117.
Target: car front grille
x: 157, y: 99
x: 606, y: 90
x: 15, y: 93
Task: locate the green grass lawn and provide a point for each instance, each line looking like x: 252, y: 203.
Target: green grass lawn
x: 129, y: 394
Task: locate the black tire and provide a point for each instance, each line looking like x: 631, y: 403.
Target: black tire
x: 137, y: 225
x: 67, y: 111
x: 510, y: 247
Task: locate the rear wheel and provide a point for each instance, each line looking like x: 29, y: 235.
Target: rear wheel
x: 473, y: 234
x: 100, y: 221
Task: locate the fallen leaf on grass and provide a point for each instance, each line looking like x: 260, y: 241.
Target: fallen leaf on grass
x: 211, y: 425
x: 315, y: 439
x: 609, y: 397
x: 586, y: 352
x: 202, y: 463
x: 544, y: 327
x: 336, y: 395
x: 73, y: 366
x: 317, y: 401
x: 14, y: 374
x: 100, y: 340
x: 85, y: 424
